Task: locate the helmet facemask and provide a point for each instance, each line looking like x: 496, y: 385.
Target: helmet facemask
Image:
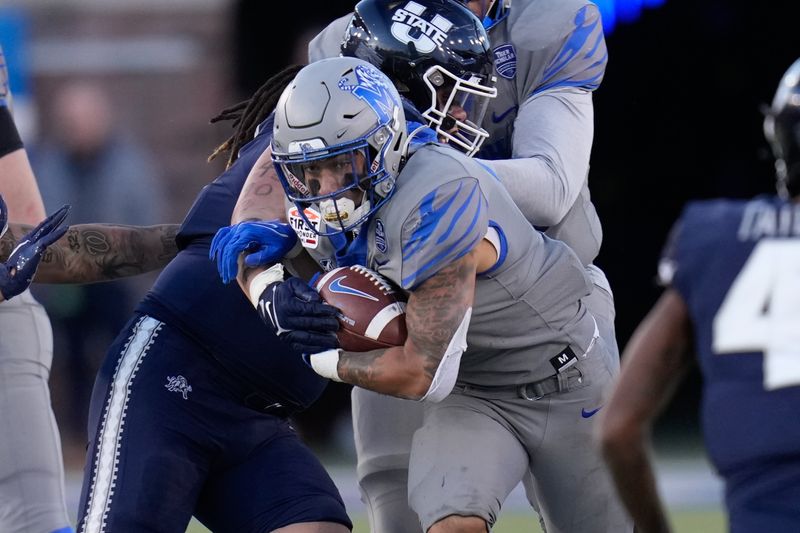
x: 450, y: 95
x: 362, y: 181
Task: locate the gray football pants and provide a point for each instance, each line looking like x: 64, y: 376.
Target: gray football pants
x: 384, y: 427
x: 31, y: 469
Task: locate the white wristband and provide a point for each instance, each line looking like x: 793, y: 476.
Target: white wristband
x: 260, y: 282
x: 325, y: 364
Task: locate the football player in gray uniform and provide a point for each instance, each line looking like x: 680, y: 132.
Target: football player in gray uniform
x: 549, y: 56
x: 501, y: 353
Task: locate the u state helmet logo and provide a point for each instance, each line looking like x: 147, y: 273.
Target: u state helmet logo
x: 409, y: 26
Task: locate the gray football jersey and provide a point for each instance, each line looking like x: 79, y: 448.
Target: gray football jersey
x: 527, y: 307
x: 541, y: 47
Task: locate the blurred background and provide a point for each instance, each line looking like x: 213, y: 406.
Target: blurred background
x: 114, y: 99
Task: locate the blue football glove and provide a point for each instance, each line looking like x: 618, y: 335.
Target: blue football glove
x: 298, y: 316
x: 268, y: 241
x: 16, y: 274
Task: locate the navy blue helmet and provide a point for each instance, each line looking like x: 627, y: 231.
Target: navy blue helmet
x: 437, y: 54
x: 782, y: 130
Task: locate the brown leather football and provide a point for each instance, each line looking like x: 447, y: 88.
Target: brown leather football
x: 371, y: 311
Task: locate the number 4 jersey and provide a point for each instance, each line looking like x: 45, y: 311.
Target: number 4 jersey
x: 737, y: 266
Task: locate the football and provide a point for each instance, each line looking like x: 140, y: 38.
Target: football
x: 371, y: 311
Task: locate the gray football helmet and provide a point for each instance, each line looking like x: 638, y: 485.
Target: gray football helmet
x: 782, y: 130
x: 339, y: 115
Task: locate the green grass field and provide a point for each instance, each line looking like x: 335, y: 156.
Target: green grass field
x: 711, y: 521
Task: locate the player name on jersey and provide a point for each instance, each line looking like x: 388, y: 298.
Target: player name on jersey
x: 762, y: 220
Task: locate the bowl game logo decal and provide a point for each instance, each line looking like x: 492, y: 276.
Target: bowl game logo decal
x: 308, y: 237
x: 505, y: 61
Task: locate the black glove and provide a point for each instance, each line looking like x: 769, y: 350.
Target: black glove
x: 298, y: 316
x: 16, y: 274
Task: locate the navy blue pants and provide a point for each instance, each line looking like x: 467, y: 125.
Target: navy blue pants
x: 171, y: 438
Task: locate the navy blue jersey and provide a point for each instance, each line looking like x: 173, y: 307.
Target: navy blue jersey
x: 737, y: 266
x: 190, y: 296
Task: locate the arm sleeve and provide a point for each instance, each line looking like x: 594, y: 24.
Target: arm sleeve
x: 446, y: 225
x: 328, y: 42
x: 572, y: 49
x: 552, y: 142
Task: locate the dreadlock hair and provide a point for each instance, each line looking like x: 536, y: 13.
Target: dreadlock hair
x: 248, y: 114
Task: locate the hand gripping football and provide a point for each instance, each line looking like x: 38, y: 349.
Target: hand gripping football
x: 372, y: 314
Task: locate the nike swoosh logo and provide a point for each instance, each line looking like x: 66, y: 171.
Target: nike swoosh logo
x: 497, y: 118
x: 267, y: 309
x: 336, y: 286
x: 589, y: 414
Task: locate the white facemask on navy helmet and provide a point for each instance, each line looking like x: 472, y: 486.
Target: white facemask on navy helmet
x: 437, y: 53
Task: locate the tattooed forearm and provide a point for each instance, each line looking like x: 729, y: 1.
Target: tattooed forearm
x: 99, y: 252
x: 436, y: 309
x: 95, y: 242
x: 378, y: 370
x: 434, y: 312
x: 112, y: 252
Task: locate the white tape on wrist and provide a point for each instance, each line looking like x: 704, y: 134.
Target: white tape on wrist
x: 325, y: 364
x: 260, y: 282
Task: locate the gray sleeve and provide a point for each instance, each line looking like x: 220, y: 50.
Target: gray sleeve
x: 564, y: 41
x: 328, y: 42
x: 552, y: 141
